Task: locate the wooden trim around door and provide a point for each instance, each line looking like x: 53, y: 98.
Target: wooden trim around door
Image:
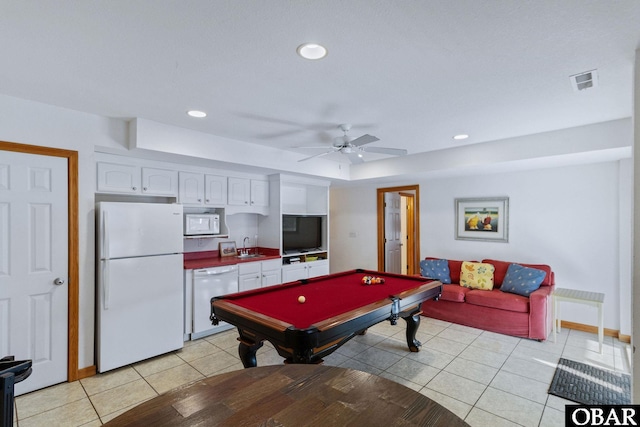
x: 411, y: 232
x: 74, y: 275
x: 416, y: 225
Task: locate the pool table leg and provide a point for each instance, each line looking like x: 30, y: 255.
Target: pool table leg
x: 413, y: 322
x: 247, y: 352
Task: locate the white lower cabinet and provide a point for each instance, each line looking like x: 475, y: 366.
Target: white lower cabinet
x: 254, y: 275
x: 304, y: 270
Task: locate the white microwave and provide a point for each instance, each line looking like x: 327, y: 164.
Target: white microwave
x: 196, y: 224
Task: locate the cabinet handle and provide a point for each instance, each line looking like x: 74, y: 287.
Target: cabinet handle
x: 144, y: 188
x: 134, y: 188
x: 207, y: 200
x: 199, y: 200
x: 246, y: 203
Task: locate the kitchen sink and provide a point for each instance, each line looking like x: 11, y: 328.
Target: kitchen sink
x: 243, y: 256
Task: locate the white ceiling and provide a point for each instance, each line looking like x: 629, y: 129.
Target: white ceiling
x: 413, y: 73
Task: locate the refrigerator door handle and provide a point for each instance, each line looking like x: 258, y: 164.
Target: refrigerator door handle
x: 105, y: 235
x: 105, y: 284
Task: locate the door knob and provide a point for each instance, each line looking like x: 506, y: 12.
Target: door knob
x: 58, y: 281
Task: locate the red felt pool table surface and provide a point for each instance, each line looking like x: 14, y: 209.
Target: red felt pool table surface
x: 326, y: 296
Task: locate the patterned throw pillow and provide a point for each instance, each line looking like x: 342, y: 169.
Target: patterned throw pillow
x: 435, y: 269
x: 477, y: 275
x: 522, y: 280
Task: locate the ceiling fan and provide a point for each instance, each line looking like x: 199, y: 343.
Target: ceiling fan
x: 354, y: 148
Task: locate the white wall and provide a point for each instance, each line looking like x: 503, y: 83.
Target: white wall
x: 565, y: 217
x: 33, y: 123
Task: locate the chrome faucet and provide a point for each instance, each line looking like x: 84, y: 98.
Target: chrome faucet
x: 244, y: 246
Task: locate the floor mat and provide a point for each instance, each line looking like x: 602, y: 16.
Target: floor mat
x: 589, y: 385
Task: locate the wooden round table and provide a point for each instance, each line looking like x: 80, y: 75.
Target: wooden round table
x: 290, y: 395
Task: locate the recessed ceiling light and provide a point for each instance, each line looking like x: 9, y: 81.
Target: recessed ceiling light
x: 197, y: 114
x: 461, y: 136
x: 312, y: 51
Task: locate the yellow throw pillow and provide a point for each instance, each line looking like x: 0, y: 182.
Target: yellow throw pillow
x: 477, y: 275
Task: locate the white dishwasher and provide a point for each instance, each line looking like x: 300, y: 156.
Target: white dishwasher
x: 209, y: 283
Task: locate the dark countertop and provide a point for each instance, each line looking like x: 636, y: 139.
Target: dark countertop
x: 209, y: 259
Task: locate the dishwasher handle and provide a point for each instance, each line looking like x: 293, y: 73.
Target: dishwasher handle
x: 216, y: 271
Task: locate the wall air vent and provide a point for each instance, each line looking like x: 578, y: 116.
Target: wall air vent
x: 584, y: 81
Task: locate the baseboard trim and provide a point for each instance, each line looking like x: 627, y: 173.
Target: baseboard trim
x: 87, y: 372
x: 594, y: 330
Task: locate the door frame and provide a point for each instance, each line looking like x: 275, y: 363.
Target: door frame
x: 413, y: 253
x: 72, y: 246
x: 411, y: 233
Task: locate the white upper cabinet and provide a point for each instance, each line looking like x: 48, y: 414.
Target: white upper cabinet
x: 239, y: 191
x: 202, y: 189
x: 116, y: 178
x: 215, y: 190
x: 259, y: 192
x: 191, y: 188
x: 304, y: 199
x: 247, y: 192
x: 159, y: 182
x: 132, y: 179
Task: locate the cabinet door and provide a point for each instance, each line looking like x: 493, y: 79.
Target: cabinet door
x: 259, y: 193
x: 271, y: 277
x: 159, y: 182
x: 318, y: 268
x: 116, y: 178
x: 250, y: 281
x: 239, y: 191
x: 293, y: 272
x: 215, y: 190
x: 191, y: 188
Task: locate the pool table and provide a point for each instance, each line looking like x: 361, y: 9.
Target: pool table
x: 336, y: 308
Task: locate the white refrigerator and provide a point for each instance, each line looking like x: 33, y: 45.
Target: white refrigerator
x: 139, y: 301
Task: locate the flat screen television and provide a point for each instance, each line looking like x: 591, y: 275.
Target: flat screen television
x: 301, y: 233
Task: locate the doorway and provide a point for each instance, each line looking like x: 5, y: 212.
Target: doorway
x: 40, y: 176
x: 398, y: 229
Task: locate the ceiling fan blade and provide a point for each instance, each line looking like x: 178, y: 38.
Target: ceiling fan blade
x: 354, y: 158
x: 323, y: 147
x: 384, y: 150
x: 317, y: 155
x: 364, y: 139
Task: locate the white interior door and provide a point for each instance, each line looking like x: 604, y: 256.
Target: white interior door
x: 392, y: 233
x: 34, y: 265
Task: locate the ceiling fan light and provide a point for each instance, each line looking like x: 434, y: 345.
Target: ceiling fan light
x: 312, y: 51
x: 197, y: 114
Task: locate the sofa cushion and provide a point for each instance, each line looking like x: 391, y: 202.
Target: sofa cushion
x: 454, y: 269
x: 435, y: 269
x: 503, y: 266
x: 522, y: 280
x: 453, y: 293
x: 476, y: 275
x: 498, y: 299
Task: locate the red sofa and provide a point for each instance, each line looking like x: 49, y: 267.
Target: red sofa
x: 494, y: 310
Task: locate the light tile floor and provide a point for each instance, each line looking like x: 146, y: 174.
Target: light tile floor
x: 485, y: 378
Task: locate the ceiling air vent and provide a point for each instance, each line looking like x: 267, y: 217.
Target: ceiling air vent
x: 583, y: 81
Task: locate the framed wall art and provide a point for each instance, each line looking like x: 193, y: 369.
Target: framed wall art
x: 227, y: 249
x: 485, y: 219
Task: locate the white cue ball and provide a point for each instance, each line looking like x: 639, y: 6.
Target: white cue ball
x: 301, y: 299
